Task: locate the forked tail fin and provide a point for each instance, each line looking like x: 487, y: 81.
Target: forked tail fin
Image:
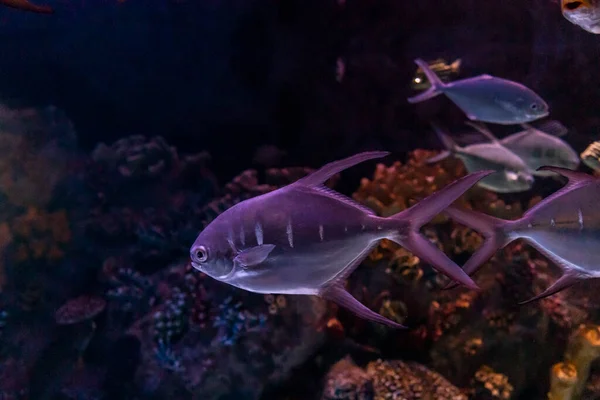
x: 449, y: 144
x: 436, y: 84
x: 497, y: 233
x: 421, y: 213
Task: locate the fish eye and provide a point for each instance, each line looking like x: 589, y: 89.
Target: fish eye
x: 534, y: 106
x: 574, y: 5
x: 201, y: 254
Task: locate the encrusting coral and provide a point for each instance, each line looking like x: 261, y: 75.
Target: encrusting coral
x: 382, y: 380
x: 563, y: 381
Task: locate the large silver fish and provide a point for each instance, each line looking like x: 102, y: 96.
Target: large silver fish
x: 306, y: 239
x: 486, y: 98
x: 565, y: 227
x: 512, y: 174
x: 537, y: 148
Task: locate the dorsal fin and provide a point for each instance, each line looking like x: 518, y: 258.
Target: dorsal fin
x: 328, y: 170
x: 481, y: 128
x: 553, y: 128
x: 345, y: 199
x: 574, y: 179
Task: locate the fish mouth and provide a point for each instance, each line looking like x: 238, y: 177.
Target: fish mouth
x: 196, y: 266
x: 539, y: 115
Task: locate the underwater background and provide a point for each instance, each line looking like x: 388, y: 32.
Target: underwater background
x: 126, y: 127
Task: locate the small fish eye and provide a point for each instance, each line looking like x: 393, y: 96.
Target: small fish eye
x: 201, y: 254
x: 573, y: 5
x: 534, y: 106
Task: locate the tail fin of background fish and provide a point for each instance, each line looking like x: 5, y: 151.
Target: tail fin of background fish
x: 423, y: 212
x: 554, y: 128
x: 481, y: 128
x: 449, y: 144
x: 436, y: 84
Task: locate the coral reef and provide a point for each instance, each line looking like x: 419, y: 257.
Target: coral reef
x: 583, y: 349
x: 142, y: 323
x: 36, y: 148
x: 387, y: 380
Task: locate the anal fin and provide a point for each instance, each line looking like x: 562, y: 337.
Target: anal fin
x: 567, y: 280
x: 340, y: 296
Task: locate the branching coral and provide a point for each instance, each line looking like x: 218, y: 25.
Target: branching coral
x: 490, y: 384
x: 136, y: 156
x: 399, y: 186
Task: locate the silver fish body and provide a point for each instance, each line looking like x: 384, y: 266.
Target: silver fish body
x: 306, y: 239
x: 583, y: 13
x: 569, y: 228
x: 565, y: 227
x: 486, y: 98
x: 309, y: 246
x: 538, y: 149
x: 512, y: 175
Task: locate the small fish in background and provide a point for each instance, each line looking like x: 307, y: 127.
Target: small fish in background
x: 486, y: 98
x: 583, y: 13
x: 26, y: 5
x: 446, y: 72
x: 538, y: 148
x: 307, y: 239
x: 268, y: 156
x: 512, y: 174
x: 591, y: 156
x: 564, y: 227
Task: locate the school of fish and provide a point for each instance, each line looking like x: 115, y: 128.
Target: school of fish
x: 306, y: 239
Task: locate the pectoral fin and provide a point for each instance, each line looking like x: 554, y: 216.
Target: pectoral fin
x: 254, y: 255
x: 340, y: 296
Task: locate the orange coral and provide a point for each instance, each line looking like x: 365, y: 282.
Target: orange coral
x: 5, y: 239
x: 41, y: 235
